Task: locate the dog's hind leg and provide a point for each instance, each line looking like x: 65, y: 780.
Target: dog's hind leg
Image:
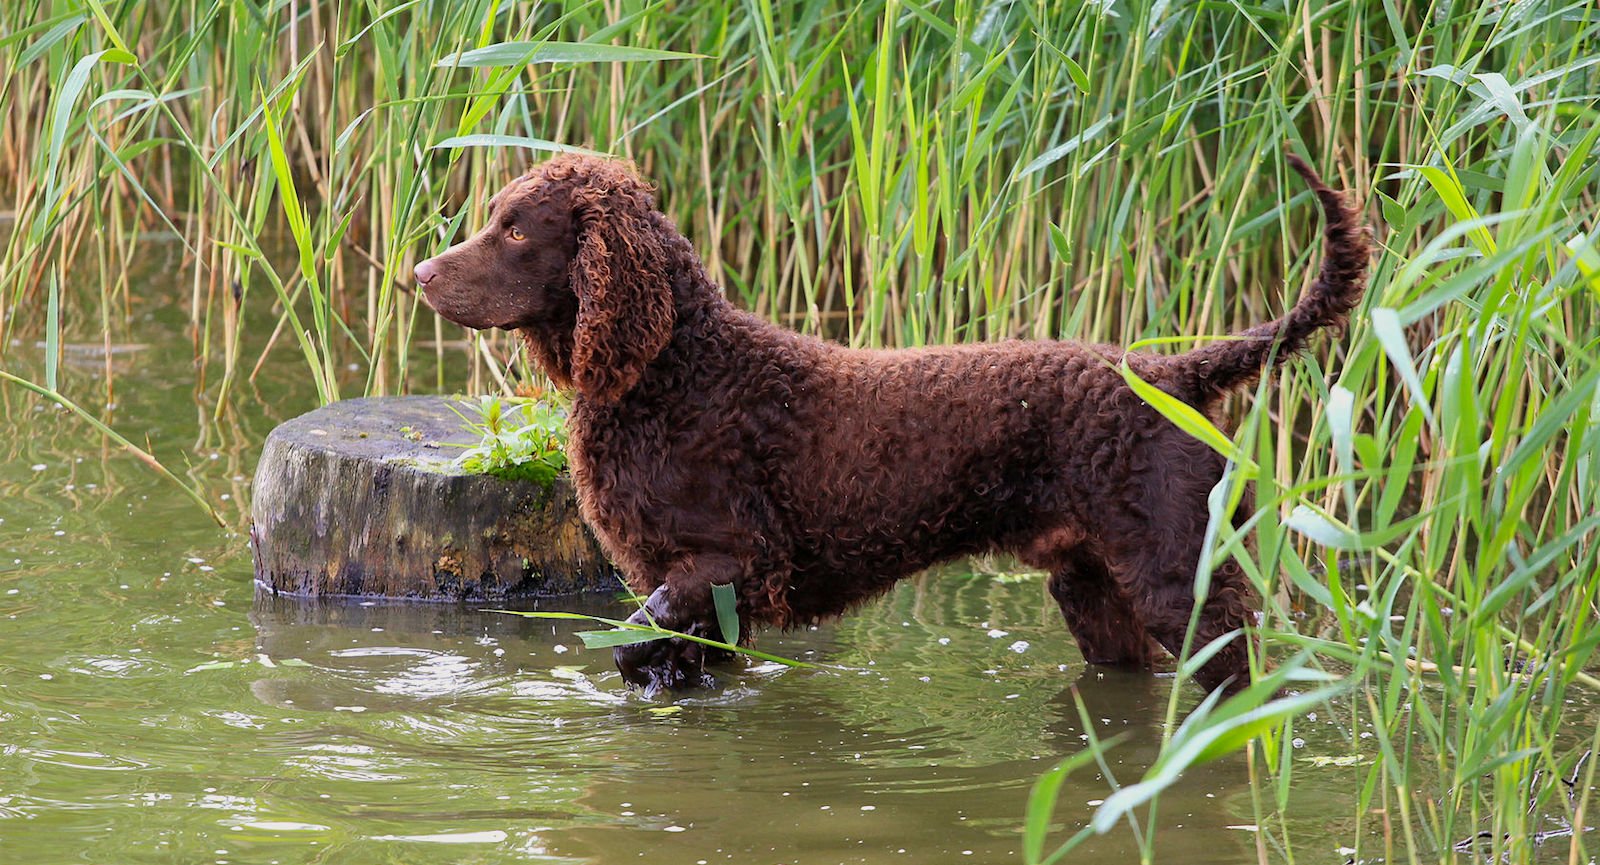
x: 1099, y: 615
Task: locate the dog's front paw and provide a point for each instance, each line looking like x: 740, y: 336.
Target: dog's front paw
x: 670, y: 664
x: 658, y: 666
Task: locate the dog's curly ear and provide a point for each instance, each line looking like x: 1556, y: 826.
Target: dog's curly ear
x: 622, y: 280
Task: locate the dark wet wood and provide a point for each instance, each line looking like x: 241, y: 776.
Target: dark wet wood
x: 360, y: 499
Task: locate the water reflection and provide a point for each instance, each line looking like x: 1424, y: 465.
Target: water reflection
x: 917, y: 741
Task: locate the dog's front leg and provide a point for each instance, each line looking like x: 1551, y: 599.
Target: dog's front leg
x: 682, y: 603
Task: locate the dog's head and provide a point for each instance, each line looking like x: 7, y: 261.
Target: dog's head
x: 575, y: 257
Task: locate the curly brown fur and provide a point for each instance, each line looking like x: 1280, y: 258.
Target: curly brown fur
x: 709, y: 446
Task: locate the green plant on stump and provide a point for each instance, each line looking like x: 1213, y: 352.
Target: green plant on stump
x: 521, y: 438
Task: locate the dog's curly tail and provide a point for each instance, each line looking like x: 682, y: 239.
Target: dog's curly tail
x: 1215, y: 370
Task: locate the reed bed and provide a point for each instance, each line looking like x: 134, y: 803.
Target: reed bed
x: 902, y: 173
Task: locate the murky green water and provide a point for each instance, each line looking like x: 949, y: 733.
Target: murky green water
x: 417, y: 734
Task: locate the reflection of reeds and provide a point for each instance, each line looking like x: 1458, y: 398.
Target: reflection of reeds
x: 132, y: 449
x: 899, y: 173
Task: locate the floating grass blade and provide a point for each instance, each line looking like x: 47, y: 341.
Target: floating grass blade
x: 627, y: 633
x: 141, y: 454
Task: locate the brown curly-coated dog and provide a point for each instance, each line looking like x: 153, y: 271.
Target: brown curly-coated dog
x: 709, y: 446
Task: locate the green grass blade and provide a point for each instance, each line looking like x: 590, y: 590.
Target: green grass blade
x: 523, y: 53
x: 726, y: 600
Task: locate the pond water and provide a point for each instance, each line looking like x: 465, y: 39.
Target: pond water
x: 155, y: 708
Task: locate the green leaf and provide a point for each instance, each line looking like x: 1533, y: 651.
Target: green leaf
x: 1060, y: 151
x: 111, y: 31
x: 1586, y: 258
x: 522, y: 53
x: 1386, y: 327
x: 1504, y: 99
x: 1341, y: 425
x: 491, y: 140
x: 52, y: 332
x: 1058, y: 242
x: 1552, y: 419
x: 1449, y: 189
x: 1184, y: 416
x: 1079, y: 77
x: 620, y: 637
x: 1042, y: 798
x: 1200, y: 656
x: 726, y: 600
x: 1239, y: 731
x: 1393, y: 213
x: 1319, y: 528
x: 66, y: 98
x: 646, y: 629
x: 1506, y: 759
x: 1209, y: 733
x: 345, y: 46
x: 58, y: 28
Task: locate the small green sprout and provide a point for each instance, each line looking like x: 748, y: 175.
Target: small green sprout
x: 520, y: 439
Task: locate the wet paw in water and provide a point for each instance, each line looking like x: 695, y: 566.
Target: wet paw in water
x: 671, y: 664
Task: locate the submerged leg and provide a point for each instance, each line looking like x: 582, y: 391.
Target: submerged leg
x: 681, y: 603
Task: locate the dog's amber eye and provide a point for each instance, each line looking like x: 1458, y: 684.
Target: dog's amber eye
x: 516, y: 233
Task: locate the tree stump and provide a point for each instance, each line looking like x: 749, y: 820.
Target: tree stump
x: 361, y: 499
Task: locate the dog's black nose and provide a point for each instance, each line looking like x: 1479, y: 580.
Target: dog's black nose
x: 426, y: 271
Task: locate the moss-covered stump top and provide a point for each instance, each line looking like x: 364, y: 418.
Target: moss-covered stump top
x: 361, y: 498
